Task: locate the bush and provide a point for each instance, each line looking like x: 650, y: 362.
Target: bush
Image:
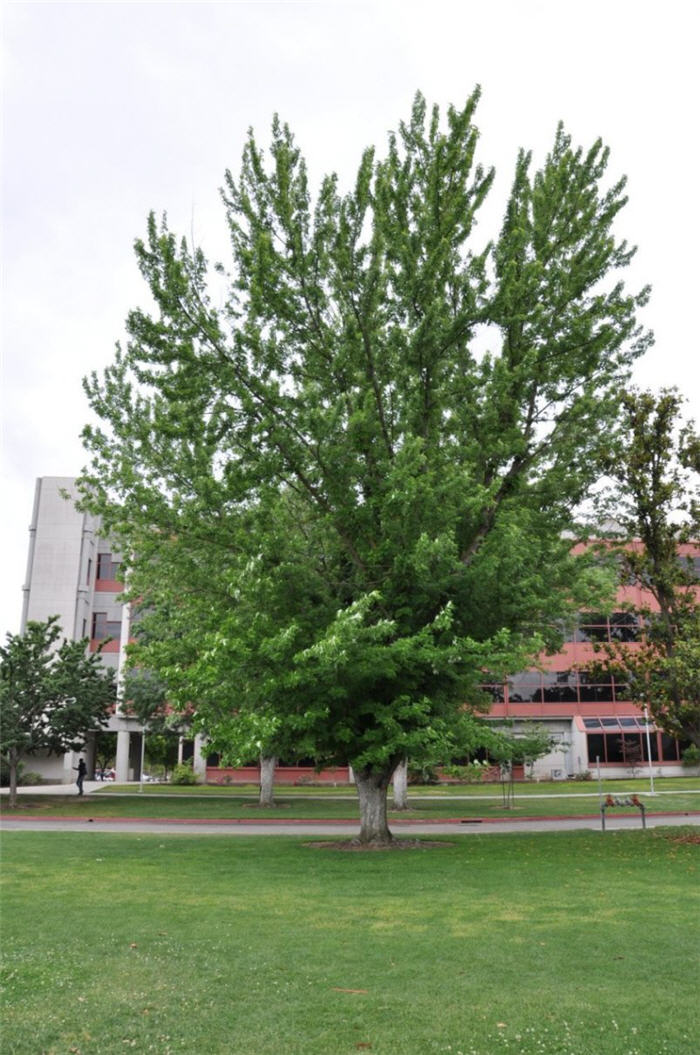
x: 183, y: 773
x: 25, y: 778
x: 30, y: 779
x: 585, y: 774
x: 472, y: 773
x: 423, y: 774
x: 691, y: 755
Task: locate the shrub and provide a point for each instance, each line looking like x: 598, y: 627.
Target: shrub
x: 423, y: 774
x: 585, y: 774
x: 183, y: 773
x: 691, y: 755
x: 5, y: 773
x: 472, y: 773
x: 30, y: 779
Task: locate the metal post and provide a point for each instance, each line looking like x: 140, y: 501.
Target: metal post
x: 143, y: 752
x: 600, y: 786
x: 651, y: 768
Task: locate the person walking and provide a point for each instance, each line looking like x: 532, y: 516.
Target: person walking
x: 82, y: 770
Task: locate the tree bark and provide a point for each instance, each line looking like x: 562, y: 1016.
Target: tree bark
x: 400, y: 785
x: 372, y: 787
x: 13, y: 761
x: 267, y: 780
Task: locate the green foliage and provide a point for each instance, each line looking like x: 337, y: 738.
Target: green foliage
x: 183, y: 773
x: 691, y: 756
x: 471, y: 773
x: 29, y: 779
x: 423, y: 775
x: 105, y: 750
x: 25, y: 778
x: 341, y: 510
x: 51, y: 696
x: 657, y: 464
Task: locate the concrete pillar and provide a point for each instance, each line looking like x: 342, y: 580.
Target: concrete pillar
x: 180, y: 749
x: 122, y: 764
x: 199, y: 759
x: 90, y: 753
x: 70, y: 759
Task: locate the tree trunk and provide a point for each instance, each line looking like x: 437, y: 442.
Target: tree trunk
x: 372, y: 787
x: 400, y: 784
x: 267, y: 780
x: 13, y: 760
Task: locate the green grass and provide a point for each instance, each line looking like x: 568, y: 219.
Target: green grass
x: 315, y: 804
x: 524, y: 788
x: 567, y: 944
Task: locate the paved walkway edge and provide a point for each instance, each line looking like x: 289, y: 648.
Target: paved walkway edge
x: 340, y: 822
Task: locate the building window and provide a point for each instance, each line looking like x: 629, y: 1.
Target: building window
x: 595, y: 687
x: 107, y: 568
x: 525, y: 687
x: 623, y: 741
x: 560, y: 686
x: 595, y: 627
x: 102, y: 627
x: 690, y: 565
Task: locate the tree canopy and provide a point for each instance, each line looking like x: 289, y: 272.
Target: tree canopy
x: 51, y: 696
x: 656, y: 464
x: 361, y: 465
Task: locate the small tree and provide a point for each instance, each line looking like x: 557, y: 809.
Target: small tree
x: 145, y: 696
x: 50, y: 697
x: 105, y: 750
x: 656, y: 462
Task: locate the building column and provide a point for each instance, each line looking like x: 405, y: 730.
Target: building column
x: 90, y: 755
x: 199, y: 759
x: 122, y: 763
x: 180, y: 749
x: 69, y: 763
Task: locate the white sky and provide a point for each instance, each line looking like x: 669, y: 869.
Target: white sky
x: 113, y: 109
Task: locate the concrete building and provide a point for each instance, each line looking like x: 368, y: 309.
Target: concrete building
x: 74, y: 572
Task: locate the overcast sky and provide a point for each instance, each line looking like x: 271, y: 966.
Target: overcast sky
x: 113, y: 109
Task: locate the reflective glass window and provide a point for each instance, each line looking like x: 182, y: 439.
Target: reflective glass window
x: 623, y: 627
x: 669, y: 748
x: 559, y: 686
x: 596, y: 747
x: 525, y: 687
x: 613, y: 749
x: 654, y: 747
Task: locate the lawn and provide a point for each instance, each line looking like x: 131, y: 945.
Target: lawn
x: 538, y: 800
x: 566, y: 944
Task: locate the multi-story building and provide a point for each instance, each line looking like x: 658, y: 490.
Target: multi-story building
x: 74, y: 572
x: 586, y: 710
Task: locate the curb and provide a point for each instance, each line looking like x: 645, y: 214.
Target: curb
x: 292, y: 822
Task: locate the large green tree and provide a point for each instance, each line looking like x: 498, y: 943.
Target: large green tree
x: 380, y: 432
x: 656, y: 465
x: 51, y: 695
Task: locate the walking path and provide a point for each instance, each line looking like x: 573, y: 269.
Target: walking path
x: 294, y: 826
x: 91, y: 786
x: 349, y: 828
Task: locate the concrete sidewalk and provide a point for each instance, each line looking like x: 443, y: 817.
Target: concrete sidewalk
x: 60, y: 789
x: 338, y: 828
